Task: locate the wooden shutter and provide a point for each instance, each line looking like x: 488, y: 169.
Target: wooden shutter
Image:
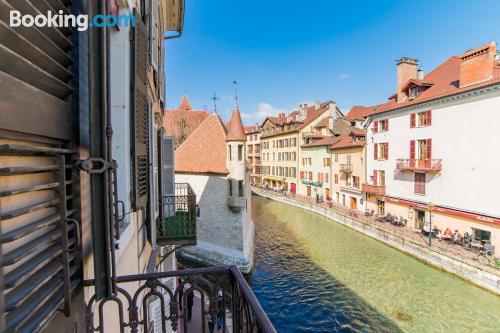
x: 39, y: 189
x: 429, y: 148
x: 168, y: 175
x: 387, y: 124
x: 141, y: 119
x: 386, y: 151
x: 412, y: 149
x: 412, y: 120
x: 428, y: 118
x: 375, y: 151
x: 375, y: 127
x: 375, y: 180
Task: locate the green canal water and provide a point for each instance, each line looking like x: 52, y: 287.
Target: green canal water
x: 315, y: 275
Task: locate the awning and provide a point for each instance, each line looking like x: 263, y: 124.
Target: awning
x: 311, y: 183
x: 274, y: 178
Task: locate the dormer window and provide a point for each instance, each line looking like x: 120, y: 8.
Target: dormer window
x: 413, y: 92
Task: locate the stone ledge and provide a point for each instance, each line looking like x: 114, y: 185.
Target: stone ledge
x: 487, y: 279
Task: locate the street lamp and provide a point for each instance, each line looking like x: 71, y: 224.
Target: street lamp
x: 430, y: 206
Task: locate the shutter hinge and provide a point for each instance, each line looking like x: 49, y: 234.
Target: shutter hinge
x: 95, y: 165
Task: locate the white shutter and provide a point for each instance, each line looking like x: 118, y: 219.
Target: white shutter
x: 168, y: 174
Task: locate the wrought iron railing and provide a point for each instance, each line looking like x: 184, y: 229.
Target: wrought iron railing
x: 418, y: 165
x: 226, y: 299
x: 374, y: 189
x: 347, y: 168
x: 178, y: 225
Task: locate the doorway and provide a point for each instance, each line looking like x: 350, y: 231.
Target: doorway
x: 354, y: 203
x: 381, y: 207
x: 308, y: 188
x: 419, y: 218
x: 293, y: 188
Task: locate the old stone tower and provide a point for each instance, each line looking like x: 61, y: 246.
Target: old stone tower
x: 212, y: 159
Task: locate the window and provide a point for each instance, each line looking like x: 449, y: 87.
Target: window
x: 413, y: 92
x: 336, y: 158
x: 381, y: 151
x: 327, y: 161
x: 419, y: 183
x: 482, y: 235
x: 336, y: 178
x: 327, y: 178
x: 240, y: 152
x: 355, y: 181
x: 229, y: 153
x: 310, y: 175
x: 301, y: 175
x: 241, y: 192
x: 421, y: 119
x: 230, y: 185
x: 293, y: 172
x: 383, y: 125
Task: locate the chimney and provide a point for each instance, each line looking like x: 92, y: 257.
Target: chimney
x: 317, y: 104
x: 407, y: 69
x: 282, y: 116
x: 420, y: 73
x: 477, y: 65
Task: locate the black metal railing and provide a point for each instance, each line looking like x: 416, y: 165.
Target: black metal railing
x: 178, y: 225
x: 220, y: 295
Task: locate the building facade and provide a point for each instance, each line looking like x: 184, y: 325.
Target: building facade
x: 428, y: 152
x: 348, y: 171
x: 213, y: 161
x: 253, y: 151
x: 281, y: 140
x: 315, y: 169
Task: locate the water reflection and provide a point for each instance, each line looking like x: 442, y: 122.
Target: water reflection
x: 313, y: 275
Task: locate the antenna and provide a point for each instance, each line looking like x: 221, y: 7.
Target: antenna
x: 215, y: 98
x: 235, y: 94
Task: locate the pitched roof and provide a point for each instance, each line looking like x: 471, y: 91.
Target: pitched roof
x: 359, y: 112
x: 204, y: 151
x: 185, y: 104
x: 323, y: 142
x: 181, y: 122
x: 235, y: 130
x: 312, y: 113
x: 347, y: 141
x: 252, y: 129
x: 445, y: 80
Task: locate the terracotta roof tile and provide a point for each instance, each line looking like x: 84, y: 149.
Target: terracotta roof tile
x: 204, y: 151
x: 323, y: 142
x: 235, y: 130
x: 180, y: 124
x: 185, y: 104
x: 347, y: 141
x: 446, y: 82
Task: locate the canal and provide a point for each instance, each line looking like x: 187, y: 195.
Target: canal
x: 314, y: 275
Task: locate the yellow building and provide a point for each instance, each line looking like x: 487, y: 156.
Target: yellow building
x: 281, y: 138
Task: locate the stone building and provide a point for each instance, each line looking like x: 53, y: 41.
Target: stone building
x: 212, y: 160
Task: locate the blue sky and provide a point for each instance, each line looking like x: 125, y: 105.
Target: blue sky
x: 283, y: 53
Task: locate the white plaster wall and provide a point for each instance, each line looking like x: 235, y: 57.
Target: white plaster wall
x: 224, y: 237
x: 465, y: 136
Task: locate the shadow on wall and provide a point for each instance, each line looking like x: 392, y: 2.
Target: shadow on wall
x: 216, y: 223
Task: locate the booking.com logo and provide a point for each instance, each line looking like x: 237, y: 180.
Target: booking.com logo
x: 80, y: 22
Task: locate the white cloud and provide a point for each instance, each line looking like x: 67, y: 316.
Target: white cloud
x: 263, y: 110
x: 343, y: 76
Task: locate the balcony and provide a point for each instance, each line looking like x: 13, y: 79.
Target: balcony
x: 312, y: 135
x: 236, y: 204
x: 178, y: 225
x: 346, y: 168
x: 411, y: 164
x: 159, y: 298
x: 374, y: 189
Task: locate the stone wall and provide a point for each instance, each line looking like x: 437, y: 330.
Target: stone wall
x: 223, y: 237
x: 485, y: 278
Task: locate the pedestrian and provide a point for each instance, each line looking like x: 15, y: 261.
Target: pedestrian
x: 190, y: 302
x: 221, y: 310
x: 181, y: 293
